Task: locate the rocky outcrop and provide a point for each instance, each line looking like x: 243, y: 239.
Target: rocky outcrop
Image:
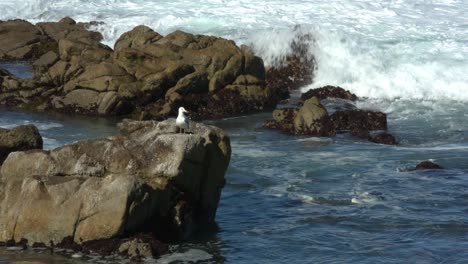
x: 20, y: 138
x: 146, y: 75
x: 210, y: 76
x: 329, y: 92
x: 148, y: 178
x: 428, y: 165
x: 311, y: 119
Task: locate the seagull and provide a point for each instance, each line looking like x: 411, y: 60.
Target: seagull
x: 182, y: 120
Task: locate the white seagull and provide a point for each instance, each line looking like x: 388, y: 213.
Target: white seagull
x: 182, y: 120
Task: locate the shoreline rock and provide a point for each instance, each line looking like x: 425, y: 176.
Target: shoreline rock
x: 147, y: 179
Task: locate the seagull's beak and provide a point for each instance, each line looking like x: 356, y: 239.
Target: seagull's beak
x: 186, y: 111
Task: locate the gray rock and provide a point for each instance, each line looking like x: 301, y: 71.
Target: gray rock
x: 146, y: 178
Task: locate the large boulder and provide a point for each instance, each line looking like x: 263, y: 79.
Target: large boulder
x: 20, y: 138
x: 148, y: 178
x: 311, y: 119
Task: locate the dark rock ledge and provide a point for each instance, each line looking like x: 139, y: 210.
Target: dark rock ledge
x: 118, y: 195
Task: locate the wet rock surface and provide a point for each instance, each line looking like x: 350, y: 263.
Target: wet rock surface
x: 147, y: 179
x: 428, y: 165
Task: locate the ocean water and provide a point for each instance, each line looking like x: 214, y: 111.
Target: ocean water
x: 316, y: 200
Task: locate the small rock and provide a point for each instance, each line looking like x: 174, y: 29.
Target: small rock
x: 383, y: 138
x: 428, y: 165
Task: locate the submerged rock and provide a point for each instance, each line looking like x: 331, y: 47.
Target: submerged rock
x: 428, y: 165
x: 383, y: 138
x: 329, y: 92
x: 20, y: 138
x: 148, y: 178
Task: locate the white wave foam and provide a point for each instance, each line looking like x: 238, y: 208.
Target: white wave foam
x: 372, y: 69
